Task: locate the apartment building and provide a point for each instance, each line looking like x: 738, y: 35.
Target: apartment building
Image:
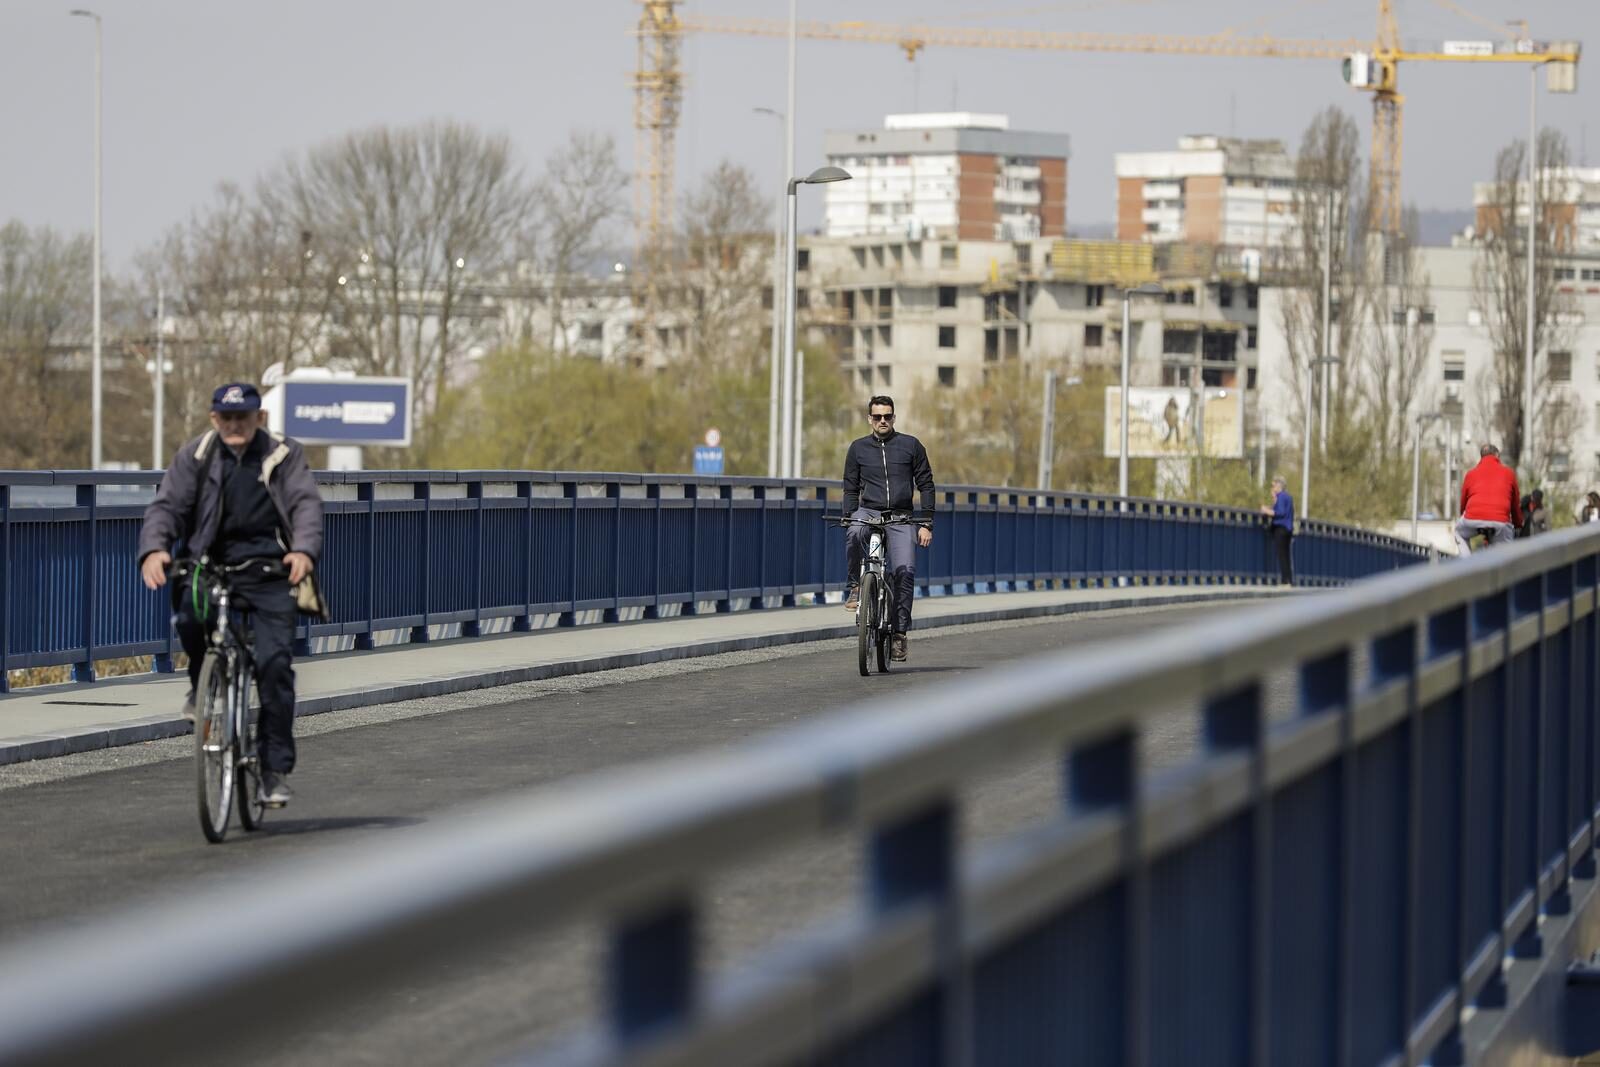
x: 1211, y: 190
x: 1454, y: 377
x: 1571, y: 205
x: 905, y: 313
x: 954, y: 175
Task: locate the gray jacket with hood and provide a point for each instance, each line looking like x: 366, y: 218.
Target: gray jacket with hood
x: 188, y: 506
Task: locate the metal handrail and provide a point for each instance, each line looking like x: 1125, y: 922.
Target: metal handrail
x: 633, y: 844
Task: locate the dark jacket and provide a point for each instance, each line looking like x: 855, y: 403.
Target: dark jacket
x: 188, y: 506
x: 881, y: 473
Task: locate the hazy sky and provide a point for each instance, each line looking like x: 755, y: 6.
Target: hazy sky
x: 201, y: 92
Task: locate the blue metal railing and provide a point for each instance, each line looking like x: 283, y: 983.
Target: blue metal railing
x: 1394, y: 871
x: 412, y: 551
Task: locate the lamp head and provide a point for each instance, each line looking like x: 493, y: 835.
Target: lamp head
x: 827, y: 174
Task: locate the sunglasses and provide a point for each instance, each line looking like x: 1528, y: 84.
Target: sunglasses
x: 881, y: 418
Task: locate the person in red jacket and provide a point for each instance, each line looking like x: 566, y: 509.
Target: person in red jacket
x: 1490, y: 504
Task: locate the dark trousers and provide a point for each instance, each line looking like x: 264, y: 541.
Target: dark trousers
x: 1282, y: 543
x: 900, y: 563
x: 272, y: 618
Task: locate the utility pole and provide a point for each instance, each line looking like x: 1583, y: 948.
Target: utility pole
x: 161, y: 380
x: 1047, y: 432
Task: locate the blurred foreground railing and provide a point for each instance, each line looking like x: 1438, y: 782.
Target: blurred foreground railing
x: 1390, y: 874
x: 413, y: 555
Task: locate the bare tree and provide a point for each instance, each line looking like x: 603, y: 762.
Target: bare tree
x: 410, y: 217
x: 727, y: 256
x: 1329, y: 165
x: 580, y: 199
x: 1399, y: 338
x: 1500, y: 279
x: 44, y: 326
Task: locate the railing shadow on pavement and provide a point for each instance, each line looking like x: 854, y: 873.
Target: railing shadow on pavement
x: 416, y: 555
x: 1388, y: 876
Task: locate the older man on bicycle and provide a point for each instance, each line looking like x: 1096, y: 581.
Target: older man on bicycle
x: 238, y: 494
x: 880, y: 472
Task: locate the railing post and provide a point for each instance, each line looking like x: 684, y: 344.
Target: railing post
x: 473, y: 627
x: 651, y: 974
x: 1324, y: 686
x: 1104, y: 776
x: 652, y: 610
x: 693, y: 491
x: 423, y: 491
x: 760, y: 599
x: 614, y: 612
x: 83, y: 670
x: 727, y: 549
x: 523, y: 623
x: 5, y: 589
x: 570, y: 616
x: 367, y: 493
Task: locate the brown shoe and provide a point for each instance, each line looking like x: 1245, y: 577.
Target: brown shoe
x: 897, y: 647
x: 852, y: 599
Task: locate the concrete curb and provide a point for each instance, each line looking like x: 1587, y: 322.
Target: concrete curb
x: 155, y: 728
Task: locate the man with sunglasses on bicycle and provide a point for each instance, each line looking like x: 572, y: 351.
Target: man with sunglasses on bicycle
x: 881, y: 470
x: 233, y: 495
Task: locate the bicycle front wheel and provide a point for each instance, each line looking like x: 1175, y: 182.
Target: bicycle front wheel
x: 214, y: 746
x: 247, y: 757
x: 885, y: 621
x: 866, y: 622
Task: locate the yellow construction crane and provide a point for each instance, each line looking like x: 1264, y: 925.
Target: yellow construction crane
x: 1373, y: 66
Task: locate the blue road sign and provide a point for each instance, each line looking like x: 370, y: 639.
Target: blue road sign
x: 707, y: 460
x: 348, y: 411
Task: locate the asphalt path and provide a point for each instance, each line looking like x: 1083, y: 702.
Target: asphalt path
x: 85, y: 835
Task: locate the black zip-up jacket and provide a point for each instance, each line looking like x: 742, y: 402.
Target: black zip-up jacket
x: 881, y: 472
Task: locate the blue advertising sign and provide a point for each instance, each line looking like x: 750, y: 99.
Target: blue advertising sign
x: 707, y: 460
x: 347, y: 411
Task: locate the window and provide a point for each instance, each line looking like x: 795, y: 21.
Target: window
x: 1397, y: 316
x: 947, y: 376
x: 1250, y: 378
x: 1252, y: 295
x: 803, y: 259
x: 947, y: 337
x: 1250, y: 337
x: 1561, y: 366
x: 1224, y: 295
x: 949, y: 255
x: 1186, y: 297
x: 947, y: 296
x: 766, y: 298
x: 860, y: 252
x: 885, y: 336
x: 885, y: 376
x: 1455, y: 367
x: 1564, y: 274
x: 1560, y: 466
x: 1425, y: 316
x: 1179, y: 342
x: 593, y: 331
x: 1597, y: 418
x: 1094, y: 295
x: 1093, y: 335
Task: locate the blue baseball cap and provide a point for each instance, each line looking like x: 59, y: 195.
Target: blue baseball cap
x: 236, y: 396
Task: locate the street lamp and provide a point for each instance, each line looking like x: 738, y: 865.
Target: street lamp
x: 778, y: 299
x: 1416, y: 465
x: 820, y: 176
x: 95, y: 448
x: 1146, y: 289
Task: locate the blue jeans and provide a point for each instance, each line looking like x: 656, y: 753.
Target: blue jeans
x: 900, y: 563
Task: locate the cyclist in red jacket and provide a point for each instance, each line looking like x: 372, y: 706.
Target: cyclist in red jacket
x: 1490, y: 504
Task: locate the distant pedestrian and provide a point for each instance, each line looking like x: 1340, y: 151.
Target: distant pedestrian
x: 1591, y: 510
x: 1489, y: 502
x: 1537, y: 520
x: 1527, y: 508
x: 1282, y: 528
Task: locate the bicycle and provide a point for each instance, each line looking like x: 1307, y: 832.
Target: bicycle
x: 227, y: 765
x: 875, y: 595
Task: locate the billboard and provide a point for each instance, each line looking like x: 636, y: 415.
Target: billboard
x: 343, y: 411
x: 1169, y: 421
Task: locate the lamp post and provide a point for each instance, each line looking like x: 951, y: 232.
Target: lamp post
x: 1147, y: 289
x: 95, y: 443
x: 820, y: 176
x: 779, y: 298
x: 1416, y: 466
x: 1322, y: 362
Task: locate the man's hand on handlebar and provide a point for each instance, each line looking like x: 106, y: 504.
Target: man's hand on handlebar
x: 299, y: 565
x: 154, y: 569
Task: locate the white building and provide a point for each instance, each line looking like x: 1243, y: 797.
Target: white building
x: 949, y: 175
x: 1211, y: 190
x: 1454, y: 375
x: 1572, y: 205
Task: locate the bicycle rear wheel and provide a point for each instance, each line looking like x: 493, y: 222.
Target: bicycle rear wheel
x: 247, y: 758
x: 213, y: 746
x: 866, y: 622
